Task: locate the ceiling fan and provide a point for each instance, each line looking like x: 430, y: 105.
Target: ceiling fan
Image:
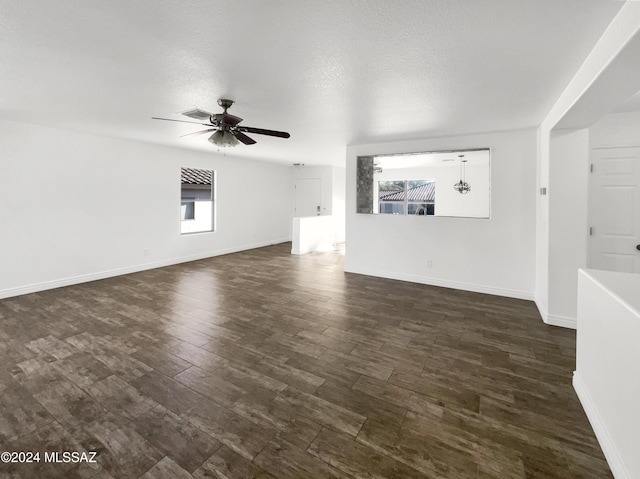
x: 225, y: 126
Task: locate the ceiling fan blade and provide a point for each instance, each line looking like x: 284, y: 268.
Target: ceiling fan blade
x: 261, y: 131
x: 244, y: 138
x: 199, y: 132
x: 198, y: 114
x: 182, y: 121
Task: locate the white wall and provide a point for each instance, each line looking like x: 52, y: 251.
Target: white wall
x: 77, y: 207
x: 339, y: 194
x: 616, y: 130
x: 542, y: 224
x: 495, y: 256
x: 568, y: 224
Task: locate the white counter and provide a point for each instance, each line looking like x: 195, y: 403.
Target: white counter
x: 607, y: 376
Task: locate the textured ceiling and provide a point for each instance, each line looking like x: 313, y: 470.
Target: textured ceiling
x: 330, y: 72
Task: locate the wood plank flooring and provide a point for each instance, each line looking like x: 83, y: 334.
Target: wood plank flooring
x: 261, y: 364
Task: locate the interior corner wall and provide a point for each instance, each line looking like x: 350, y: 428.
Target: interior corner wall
x: 495, y: 256
x: 606, y: 77
x: 542, y: 224
x: 568, y: 223
x: 76, y: 207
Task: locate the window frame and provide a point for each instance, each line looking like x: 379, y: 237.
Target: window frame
x: 405, y: 201
x: 209, y: 223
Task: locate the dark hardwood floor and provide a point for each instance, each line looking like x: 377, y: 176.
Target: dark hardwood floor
x: 263, y: 364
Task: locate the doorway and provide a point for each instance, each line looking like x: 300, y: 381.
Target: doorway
x: 308, y: 197
x: 615, y: 209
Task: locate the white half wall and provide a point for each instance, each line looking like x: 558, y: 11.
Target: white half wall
x: 495, y: 256
x: 312, y: 233
x: 607, y: 357
x: 77, y: 207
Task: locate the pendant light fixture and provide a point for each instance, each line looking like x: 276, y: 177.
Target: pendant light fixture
x: 462, y: 186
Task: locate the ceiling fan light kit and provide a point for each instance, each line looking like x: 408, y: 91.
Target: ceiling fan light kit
x: 223, y: 138
x: 226, y: 132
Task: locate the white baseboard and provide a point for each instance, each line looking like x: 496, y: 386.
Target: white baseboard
x: 555, y: 319
x: 542, y: 309
x: 599, y: 427
x: 476, y: 288
x: 562, y: 321
x: 85, y: 278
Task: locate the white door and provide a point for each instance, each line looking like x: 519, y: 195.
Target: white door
x: 615, y: 210
x: 308, y: 196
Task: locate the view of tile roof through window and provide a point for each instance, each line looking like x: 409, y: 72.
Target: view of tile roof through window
x: 426, y: 192
x: 193, y: 176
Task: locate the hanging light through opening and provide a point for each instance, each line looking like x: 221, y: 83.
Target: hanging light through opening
x: 462, y: 186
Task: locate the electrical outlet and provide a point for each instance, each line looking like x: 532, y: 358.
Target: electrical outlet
x: 429, y: 263
x: 146, y: 252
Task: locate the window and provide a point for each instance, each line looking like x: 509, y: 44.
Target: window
x: 196, y: 200
x: 413, y: 197
x: 187, y: 210
x: 445, y: 168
